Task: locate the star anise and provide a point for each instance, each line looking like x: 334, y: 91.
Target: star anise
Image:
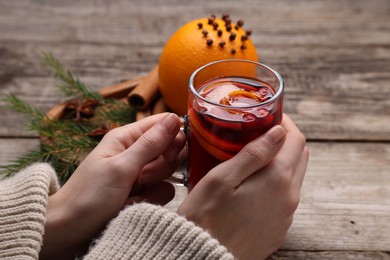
x: 103, y: 129
x: 80, y: 108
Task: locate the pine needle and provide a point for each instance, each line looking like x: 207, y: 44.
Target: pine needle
x: 22, y: 162
x: 40, y: 123
x: 72, y: 86
x: 18, y: 105
x: 65, y: 142
x: 117, y: 111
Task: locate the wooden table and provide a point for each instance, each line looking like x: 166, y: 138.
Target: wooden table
x: 334, y: 56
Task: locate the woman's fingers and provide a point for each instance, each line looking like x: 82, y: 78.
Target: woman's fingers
x: 160, y: 169
x: 120, y: 138
x: 150, y: 144
x: 175, y: 148
x: 251, y: 158
x: 300, y: 170
x: 292, y: 149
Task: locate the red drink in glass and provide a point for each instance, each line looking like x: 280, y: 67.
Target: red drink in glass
x: 225, y: 114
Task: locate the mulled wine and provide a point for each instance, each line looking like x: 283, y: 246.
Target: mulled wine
x: 232, y: 116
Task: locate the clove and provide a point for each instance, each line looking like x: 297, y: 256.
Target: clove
x: 240, y: 23
x: 232, y: 36
x: 211, y: 19
x: 225, y: 16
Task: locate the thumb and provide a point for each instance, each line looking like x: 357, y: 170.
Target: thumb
x: 153, y: 142
x: 254, y: 156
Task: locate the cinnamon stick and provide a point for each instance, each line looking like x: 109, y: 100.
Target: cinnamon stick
x: 57, y: 111
x: 159, y: 107
x: 141, y: 114
x: 121, y: 89
x: 146, y: 92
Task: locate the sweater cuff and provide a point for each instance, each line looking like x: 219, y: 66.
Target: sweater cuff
x: 23, y: 202
x: 145, y: 231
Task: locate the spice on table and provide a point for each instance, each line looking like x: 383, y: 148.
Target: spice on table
x: 121, y: 89
x: 103, y: 129
x: 145, y: 92
x: 159, y: 107
x: 141, y: 114
x: 81, y: 108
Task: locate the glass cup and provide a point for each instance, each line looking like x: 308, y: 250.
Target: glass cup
x: 230, y: 103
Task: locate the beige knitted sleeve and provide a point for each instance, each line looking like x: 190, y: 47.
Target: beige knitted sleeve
x: 23, y: 201
x: 145, y: 231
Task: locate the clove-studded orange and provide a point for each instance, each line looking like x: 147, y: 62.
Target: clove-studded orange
x: 195, y: 44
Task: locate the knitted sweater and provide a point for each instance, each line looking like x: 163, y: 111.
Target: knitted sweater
x: 141, y: 231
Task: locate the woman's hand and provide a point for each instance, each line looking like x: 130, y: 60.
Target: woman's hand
x: 248, y: 202
x: 128, y: 165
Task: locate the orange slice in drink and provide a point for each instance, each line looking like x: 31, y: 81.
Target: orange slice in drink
x: 252, y: 97
x: 201, y: 130
x: 211, y: 149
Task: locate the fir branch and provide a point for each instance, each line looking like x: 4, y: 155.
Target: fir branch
x: 40, y: 123
x: 21, y: 106
x: 62, y: 139
x: 52, y: 128
x: 33, y: 114
x: 55, y: 153
x: 117, y: 111
x: 71, y: 144
x: 65, y: 169
x: 23, y: 161
x: 66, y: 155
x: 64, y: 142
x: 72, y: 86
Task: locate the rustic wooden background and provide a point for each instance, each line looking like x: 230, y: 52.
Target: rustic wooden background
x: 334, y: 56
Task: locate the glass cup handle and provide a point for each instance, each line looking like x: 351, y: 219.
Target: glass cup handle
x: 185, y: 127
x: 180, y: 177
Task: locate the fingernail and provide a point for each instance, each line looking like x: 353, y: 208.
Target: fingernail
x: 276, y: 134
x: 170, y: 124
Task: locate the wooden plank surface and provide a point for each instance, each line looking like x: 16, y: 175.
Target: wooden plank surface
x: 334, y: 56
x: 345, y: 199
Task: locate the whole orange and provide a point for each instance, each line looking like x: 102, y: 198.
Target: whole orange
x: 195, y: 44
